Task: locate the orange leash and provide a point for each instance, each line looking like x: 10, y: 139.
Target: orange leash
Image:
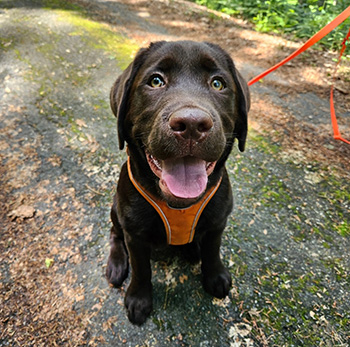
x: 317, y: 37
x: 337, y: 135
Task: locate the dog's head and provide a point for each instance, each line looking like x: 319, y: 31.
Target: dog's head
x: 181, y: 105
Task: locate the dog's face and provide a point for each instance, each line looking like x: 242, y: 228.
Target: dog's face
x: 181, y: 104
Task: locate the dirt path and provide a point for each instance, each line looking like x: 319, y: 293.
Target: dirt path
x: 286, y: 245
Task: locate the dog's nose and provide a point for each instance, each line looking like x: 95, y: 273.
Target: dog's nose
x: 191, y: 123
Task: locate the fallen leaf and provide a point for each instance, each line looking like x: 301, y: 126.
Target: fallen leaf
x: 24, y: 211
x: 183, y: 278
x: 48, y: 262
x: 79, y: 298
x: 81, y: 123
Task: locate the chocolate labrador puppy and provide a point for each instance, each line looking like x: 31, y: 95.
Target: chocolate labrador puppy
x: 180, y: 106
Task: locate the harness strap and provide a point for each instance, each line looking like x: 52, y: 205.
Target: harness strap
x: 180, y: 224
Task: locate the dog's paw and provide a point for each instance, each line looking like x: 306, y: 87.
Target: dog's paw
x: 138, y: 305
x: 218, y: 284
x: 117, y: 270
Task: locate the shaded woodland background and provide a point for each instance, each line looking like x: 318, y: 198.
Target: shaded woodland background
x: 295, y: 18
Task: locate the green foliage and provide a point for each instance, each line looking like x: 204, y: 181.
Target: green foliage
x: 298, y: 18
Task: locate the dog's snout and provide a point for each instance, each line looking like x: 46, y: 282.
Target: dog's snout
x: 192, y: 124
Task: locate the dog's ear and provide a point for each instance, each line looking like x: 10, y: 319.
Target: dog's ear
x: 120, y: 92
x: 121, y: 89
x: 243, y: 106
x: 243, y: 98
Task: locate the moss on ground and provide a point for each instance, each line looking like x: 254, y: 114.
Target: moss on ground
x: 291, y: 297
x: 97, y: 35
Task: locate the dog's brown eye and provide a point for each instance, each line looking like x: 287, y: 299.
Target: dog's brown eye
x: 217, y: 84
x: 157, y: 82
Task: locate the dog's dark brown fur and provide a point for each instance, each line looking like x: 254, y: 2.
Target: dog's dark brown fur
x: 176, y: 100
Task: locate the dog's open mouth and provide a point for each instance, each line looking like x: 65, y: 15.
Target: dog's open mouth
x: 184, y: 178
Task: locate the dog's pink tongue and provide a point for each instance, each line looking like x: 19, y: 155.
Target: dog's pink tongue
x: 185, y: 177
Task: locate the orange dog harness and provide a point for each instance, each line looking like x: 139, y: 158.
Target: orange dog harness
x: 180, y: 224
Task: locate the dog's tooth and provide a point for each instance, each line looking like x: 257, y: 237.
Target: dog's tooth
x: 156, y: 162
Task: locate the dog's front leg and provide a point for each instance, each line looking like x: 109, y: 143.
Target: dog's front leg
x: 138, y: 299
x: 117, y: 265
x: 216, y: 278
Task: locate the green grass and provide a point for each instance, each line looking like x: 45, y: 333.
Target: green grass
x: 295, y: 18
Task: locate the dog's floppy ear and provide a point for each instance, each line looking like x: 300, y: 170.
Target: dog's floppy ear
x: 243, y: 99
x: 243, y: 96
x: 120, y: 92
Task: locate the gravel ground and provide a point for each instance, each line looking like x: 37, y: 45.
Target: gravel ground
x: 287, y: 241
